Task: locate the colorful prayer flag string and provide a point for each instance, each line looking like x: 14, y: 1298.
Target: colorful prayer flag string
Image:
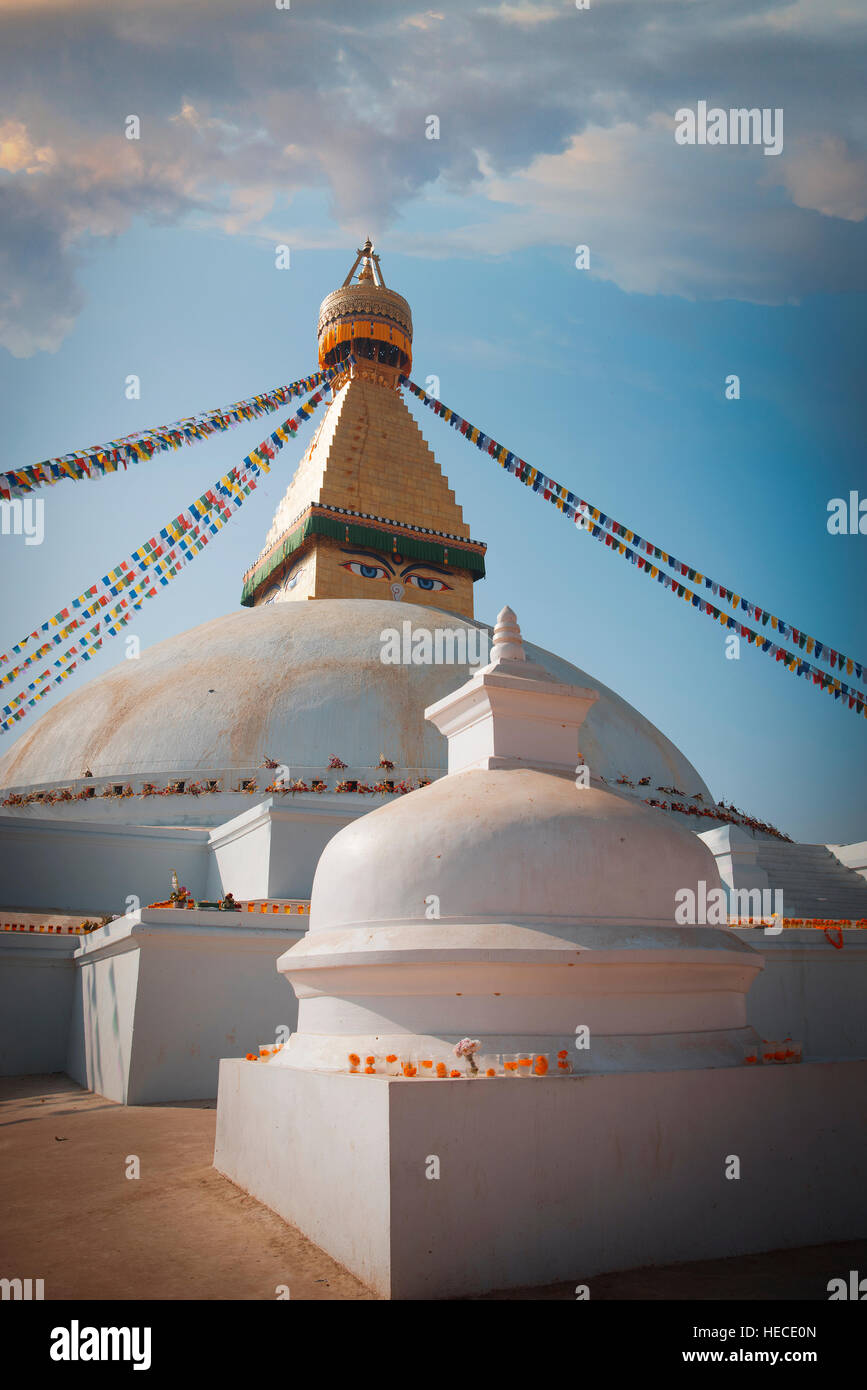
x: 100, y: 459
x: 620, y: 538
x: 155, y: 562
x: 113, y: 583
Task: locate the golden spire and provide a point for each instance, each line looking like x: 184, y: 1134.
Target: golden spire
x: 370, y: 321
x: 370, y: 271
x: 369, y: 513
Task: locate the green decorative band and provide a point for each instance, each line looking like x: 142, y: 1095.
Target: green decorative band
x: 441, y: 550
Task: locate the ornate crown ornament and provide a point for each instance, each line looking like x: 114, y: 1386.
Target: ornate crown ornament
x: 367, y: 318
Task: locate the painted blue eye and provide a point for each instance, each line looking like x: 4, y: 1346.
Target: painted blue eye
x: 423, y: 581
x: 365, y: 571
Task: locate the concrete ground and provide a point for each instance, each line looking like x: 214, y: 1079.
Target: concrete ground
x: 69, y: 1215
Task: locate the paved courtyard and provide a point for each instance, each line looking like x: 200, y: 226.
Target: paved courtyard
x: 71, y: 1217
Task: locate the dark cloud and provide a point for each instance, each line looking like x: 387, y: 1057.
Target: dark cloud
x: 39, y: 298
x: 559, y: 122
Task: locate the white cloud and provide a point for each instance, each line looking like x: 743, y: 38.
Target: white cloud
x: 826, y: 177
x: 18, y: 154
x: 422, y: 21
x: 526, y: 15
x: 660, y: 218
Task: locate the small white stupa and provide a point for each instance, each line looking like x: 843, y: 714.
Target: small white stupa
x: 513, y: 908
x: 510, y: 903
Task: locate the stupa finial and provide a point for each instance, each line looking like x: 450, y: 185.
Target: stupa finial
x: 508, y: 643
x: 370, y: 269
x: 512, y: 714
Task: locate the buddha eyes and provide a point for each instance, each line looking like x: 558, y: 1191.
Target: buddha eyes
x: 421, y: 581
x: 366, y: 571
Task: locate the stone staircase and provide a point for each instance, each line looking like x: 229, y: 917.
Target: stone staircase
x: 813, y: 880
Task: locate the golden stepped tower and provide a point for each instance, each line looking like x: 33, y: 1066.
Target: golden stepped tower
x: 368, y: 513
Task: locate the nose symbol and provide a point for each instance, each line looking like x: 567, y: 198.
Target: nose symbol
x: 397, y: 591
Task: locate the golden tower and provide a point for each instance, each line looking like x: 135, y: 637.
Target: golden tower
x: 368, y: 513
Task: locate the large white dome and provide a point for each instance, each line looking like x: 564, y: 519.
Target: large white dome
x: 298, y: 681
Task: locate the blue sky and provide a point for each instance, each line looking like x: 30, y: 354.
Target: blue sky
x: 157, y: 258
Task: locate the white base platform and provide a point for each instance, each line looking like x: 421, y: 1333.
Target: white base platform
x: 161, y: 994
x: 543, y: 1180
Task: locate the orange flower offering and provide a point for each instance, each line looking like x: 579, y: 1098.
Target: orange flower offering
x: 370, y: 1061
x: 491, y: 1071
x: 251, y: 1057
x: 454, y: 1073
x: 563, y: 1066
x: 409, y: 1069
x: 442, y: 1069
x: 510, y: 1066
x: 563, y: 1054
x: 540, y: 1066
x: 392, y: 1057
x: 354, y: 1059
x: 370, y: 1071
x: 426, y: 1063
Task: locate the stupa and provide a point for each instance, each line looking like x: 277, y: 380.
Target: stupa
x: 511, y: 1067
x: 368, y: 541
x: 509, y: 902
x: 368, y: 538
